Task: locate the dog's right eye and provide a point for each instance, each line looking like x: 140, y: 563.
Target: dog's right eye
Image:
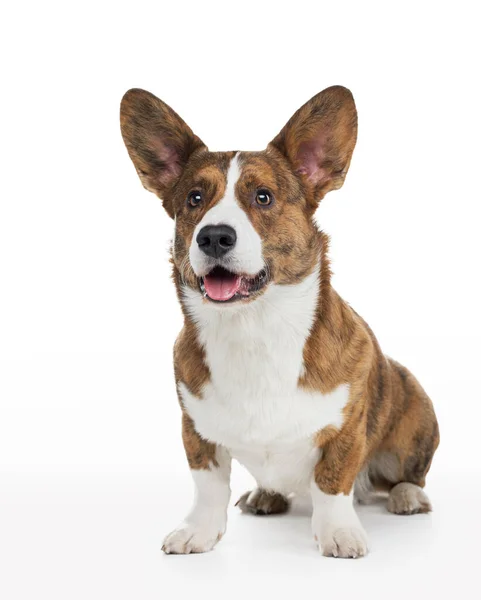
x: 194, y: 199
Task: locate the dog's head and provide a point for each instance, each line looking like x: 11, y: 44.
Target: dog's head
x: 243, y: 220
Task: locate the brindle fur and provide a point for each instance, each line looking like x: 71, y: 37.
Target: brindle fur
x: 388, y: 414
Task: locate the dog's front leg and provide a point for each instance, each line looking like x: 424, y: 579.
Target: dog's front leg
x: 335, y: 524
x: 205, y: 524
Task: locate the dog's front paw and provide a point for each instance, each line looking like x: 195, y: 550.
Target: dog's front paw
x: 191, y: 538
x: 343, y: 542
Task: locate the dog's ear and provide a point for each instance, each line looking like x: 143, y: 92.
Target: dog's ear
x: 158, y: 141
x: 319, y: 140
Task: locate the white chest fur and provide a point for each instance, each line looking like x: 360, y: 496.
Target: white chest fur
x: 252, y: 404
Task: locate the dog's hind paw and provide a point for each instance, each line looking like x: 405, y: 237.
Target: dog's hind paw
x: 262, y: 502
x: 408, y: 499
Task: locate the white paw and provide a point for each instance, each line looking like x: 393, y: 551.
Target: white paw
x: 344, y: 542
x: 336, y: 526
x: 189, y: 538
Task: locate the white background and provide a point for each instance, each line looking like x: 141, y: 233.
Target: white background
x: 92, y: 470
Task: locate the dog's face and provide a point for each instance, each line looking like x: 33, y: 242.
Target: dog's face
x: 243, y: 220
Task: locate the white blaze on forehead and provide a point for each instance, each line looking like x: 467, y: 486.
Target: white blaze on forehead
x: 246, y: 256
x: 233, y: 175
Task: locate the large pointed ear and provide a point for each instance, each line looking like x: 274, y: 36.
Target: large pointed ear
x: 158, y: 141
x: 319, y: 140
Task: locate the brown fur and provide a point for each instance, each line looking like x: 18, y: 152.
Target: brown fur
x: 388, y: 410
x: 325, y: 127
x: 389, y: 424
x: 189, y: 363
x: 200, y: 453
x: 158, y: 141
x: 263, y: 502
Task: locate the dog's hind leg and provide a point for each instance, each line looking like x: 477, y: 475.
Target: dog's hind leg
x: 263, y: 502
x: 404, y: 457
x: 364, y: 492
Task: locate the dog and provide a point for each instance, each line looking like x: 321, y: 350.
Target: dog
x: 272, y: 367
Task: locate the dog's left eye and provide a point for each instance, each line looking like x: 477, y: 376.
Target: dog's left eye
x: 194, y: 198
x: 263, y: 198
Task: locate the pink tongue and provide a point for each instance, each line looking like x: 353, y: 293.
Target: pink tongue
x: 222, y: 287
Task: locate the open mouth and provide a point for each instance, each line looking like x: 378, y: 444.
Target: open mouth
x: 221, y: 285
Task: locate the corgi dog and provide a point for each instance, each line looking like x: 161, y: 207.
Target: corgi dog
x: 272, y: 367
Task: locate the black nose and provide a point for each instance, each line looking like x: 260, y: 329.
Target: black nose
x: 216, y: 240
